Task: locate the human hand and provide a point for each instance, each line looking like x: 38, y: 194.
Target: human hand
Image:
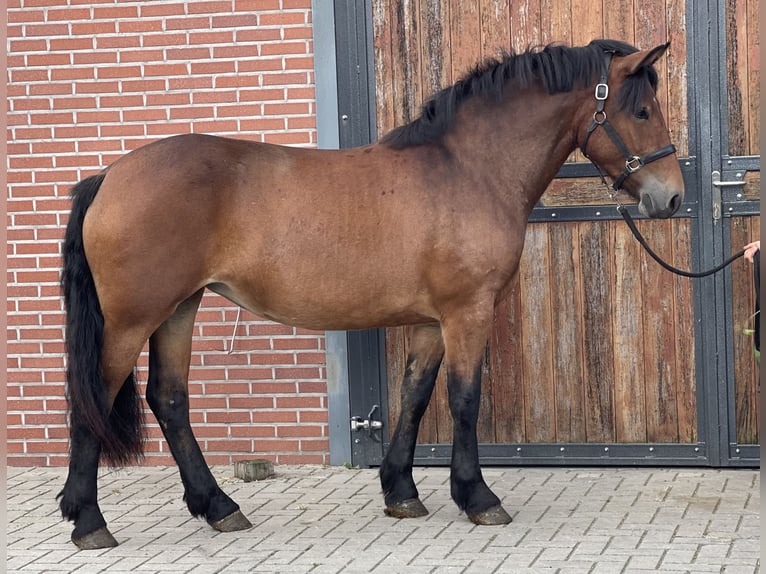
x: 750, y: 250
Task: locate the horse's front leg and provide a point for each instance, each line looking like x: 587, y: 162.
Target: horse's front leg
x: 423, y: 360
x: 465, y: 338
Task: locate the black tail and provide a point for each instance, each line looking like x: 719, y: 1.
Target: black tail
x: 119, y: 431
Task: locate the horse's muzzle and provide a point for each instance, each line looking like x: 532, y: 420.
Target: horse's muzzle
x: 660, y: 205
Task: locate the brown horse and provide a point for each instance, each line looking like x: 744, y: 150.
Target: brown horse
x: 424, y: 228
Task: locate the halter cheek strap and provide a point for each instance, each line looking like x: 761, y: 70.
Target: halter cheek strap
x: 633, y: 162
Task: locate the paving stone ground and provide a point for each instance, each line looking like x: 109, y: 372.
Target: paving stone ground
x: 330, y: 520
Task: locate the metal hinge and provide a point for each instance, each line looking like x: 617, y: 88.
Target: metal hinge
x: 368, y: 424
x: 717, y: 185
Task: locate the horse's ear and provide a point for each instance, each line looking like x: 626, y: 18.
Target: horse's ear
x: 643, y: 58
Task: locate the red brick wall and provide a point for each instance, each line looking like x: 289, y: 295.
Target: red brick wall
x: 91, y: 81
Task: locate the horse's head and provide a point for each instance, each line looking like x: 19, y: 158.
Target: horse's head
x: 625, y: 135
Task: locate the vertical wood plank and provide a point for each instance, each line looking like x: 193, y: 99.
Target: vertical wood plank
x: 630, y: 379
x: 384, y: 77
x: 559, y: 20
x: 587, y: 17
x: 587, y: 21
x: 597, y: 308
x: 659, y: 335
x: 677, y: 118
x: 395, y: 357
x: 442, y: 418
x: 618, y: 24
x: 685, y: 349
x: 506, y: 351
x: 430, y: 431
x: 537, y: 361
x: 495, y: 27
x: 465, y: 36
x: 753, y: 23
x: 485, y: 428
x: 436, y: 62
x: 651, y: 30
x: 736, y: 69
x: 567, y: 332
x: 405, y: 58
x: 525, y: 24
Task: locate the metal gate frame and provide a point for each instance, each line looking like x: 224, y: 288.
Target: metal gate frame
x: 359, y: 356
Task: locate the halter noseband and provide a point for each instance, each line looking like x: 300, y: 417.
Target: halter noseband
x: 632, y: 162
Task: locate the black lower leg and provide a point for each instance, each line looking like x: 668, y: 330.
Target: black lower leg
x: 468, y: 489
x: 417, y: 387
x: 79, y: 498
x: 202, y: 494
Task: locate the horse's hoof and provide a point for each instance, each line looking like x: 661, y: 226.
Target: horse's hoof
x: 491, y: 517
x: 235, y: 521
x: 100, y: 538
x: 410, y: 508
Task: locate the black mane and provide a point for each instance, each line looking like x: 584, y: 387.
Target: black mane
x: 559, y: 68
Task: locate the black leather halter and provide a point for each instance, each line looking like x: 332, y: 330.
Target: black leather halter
x: 632, y: 162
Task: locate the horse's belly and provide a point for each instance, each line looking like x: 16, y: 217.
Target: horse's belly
x: 325, y: 303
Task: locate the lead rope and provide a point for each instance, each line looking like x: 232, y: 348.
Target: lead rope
x: 637, y: 234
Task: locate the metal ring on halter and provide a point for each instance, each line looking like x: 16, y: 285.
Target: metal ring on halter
x: 612, y: 193
x: 633, y: 164
x: 599, y: 117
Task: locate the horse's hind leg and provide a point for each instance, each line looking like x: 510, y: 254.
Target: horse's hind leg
x: 168, y: 396
x: 465, y: 338
x: 79, y: 498
x: 423, y: 360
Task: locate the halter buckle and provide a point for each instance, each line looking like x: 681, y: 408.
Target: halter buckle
x: 602, y: 92
x: 633, y: 164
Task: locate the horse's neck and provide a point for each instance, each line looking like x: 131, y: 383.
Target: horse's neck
x: 520, y: 145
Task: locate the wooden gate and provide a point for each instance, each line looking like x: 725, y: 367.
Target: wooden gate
x: 598, y: 355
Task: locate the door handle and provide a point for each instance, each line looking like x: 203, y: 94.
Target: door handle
x: 717, y: 185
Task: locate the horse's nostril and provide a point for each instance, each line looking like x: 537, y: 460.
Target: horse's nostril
x: 675, y: 203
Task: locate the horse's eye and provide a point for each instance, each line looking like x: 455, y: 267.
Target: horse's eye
x: 642, y: 114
